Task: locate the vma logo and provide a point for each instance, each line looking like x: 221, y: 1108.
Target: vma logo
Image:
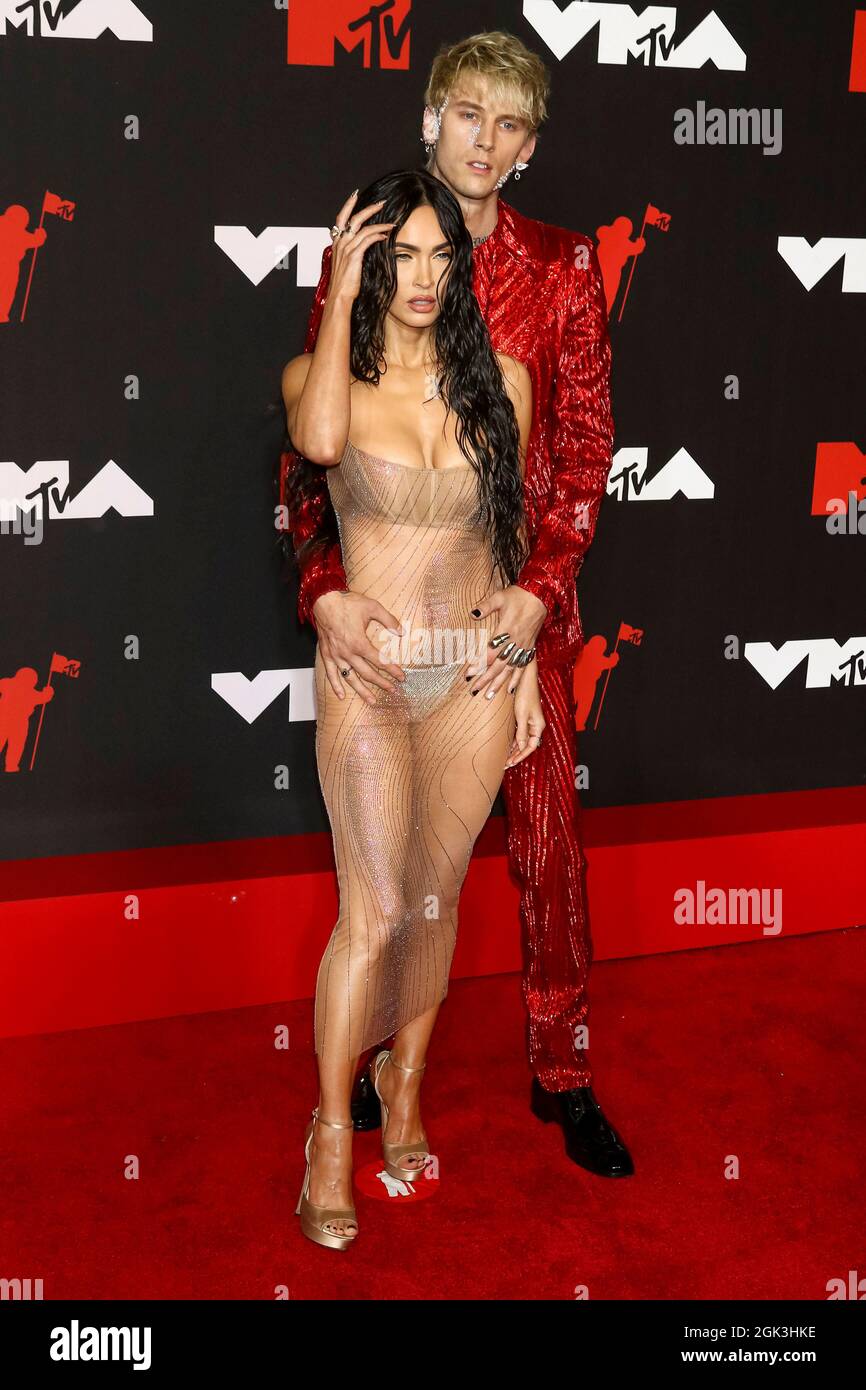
x: 681, y: 475
x: 828, y: 662
x: 258, y: 255
x: 76, y: 19
x: 811, y: 263
x: 379, y: 33
x: 624, y: 36
x: 43, y: 492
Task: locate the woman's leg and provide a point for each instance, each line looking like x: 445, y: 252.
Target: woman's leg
x: 362, y: 754
x: 401, y: 1090
x: 458, y: 757
x: 331, y: 1149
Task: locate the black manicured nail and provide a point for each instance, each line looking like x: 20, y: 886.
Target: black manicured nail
x: 476, y: 612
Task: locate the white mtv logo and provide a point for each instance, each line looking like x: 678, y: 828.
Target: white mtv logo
x: 681, y: 474
x: 250, y: 698
x: 89, y: 19
x: 827, y: 662
x: 258, y: 255
x: 811, y: 263
x: 43, y: 489
x: 623, y: 33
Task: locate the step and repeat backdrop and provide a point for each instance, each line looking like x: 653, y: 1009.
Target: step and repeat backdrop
x: 170, y: 172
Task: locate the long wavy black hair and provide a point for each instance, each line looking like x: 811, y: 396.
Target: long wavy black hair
x: 471, y: 380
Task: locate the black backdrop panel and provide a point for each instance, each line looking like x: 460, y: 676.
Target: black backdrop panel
x: 139, y: 748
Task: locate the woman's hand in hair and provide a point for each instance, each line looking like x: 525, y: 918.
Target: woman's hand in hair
x: 347, y: 258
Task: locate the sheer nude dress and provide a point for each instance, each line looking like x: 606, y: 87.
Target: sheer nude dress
x: 408, y: 783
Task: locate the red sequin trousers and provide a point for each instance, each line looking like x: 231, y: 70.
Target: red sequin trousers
x: 545, y: 850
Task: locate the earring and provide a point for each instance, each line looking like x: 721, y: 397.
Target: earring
x: 518, y: 166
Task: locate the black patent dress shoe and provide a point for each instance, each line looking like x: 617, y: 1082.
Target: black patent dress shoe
x: 590, y: 1140
x: 366, y: 1108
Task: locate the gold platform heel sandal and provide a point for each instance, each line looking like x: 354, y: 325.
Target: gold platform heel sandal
x: 391, y: 1153
x: 315, y: 1219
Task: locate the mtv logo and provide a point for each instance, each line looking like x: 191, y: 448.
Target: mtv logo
x: 857, y: 75
x: 379, y: 31
x: 839, y: 469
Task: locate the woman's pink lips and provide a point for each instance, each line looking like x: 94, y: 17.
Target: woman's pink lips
x: 423, y: 303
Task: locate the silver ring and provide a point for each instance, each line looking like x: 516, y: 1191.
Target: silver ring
x: 499, y: 639
x: 346, y: 671
x: 527, y: 657
x: 336, y: 231
x: 516, y: 656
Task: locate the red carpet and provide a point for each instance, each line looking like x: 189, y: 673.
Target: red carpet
x: 752, y: 1050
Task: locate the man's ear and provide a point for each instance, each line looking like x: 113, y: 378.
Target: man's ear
x: 528, y: 148
x: 428, y: 126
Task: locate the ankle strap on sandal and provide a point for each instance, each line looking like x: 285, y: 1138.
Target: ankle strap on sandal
x: 332, y: 1124
x: 400, y: 1067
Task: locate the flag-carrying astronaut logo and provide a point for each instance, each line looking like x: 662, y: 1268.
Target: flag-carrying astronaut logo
x: 594, y: 662
x: 18, y: 242
x: 75, y: 19
x: 628, y: 34
x: 616, y: 246
x: 20, y: 697
x: 368, y: 34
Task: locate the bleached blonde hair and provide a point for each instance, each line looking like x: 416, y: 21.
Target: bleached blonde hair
x: 513, y: 71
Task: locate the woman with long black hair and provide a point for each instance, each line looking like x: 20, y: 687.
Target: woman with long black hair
x: 423, y: 428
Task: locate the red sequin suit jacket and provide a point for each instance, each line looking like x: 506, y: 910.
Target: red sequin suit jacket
x: 541, y: 294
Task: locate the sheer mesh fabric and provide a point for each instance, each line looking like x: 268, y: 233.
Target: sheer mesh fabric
x: 408, y: 783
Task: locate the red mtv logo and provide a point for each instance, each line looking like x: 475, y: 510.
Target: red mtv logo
x: 857, y: 78
x: 839, y: 469
x: 381, y: 31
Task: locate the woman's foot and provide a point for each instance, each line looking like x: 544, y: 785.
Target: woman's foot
x: 401, y: 1092
x: 331, y: 1175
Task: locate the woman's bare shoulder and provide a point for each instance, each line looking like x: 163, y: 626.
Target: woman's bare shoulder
x: 514, y: 371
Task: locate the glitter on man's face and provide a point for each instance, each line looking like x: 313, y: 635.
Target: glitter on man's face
x: 473, y: 130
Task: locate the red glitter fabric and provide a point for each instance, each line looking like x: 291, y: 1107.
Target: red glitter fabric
x: 541, y: 294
